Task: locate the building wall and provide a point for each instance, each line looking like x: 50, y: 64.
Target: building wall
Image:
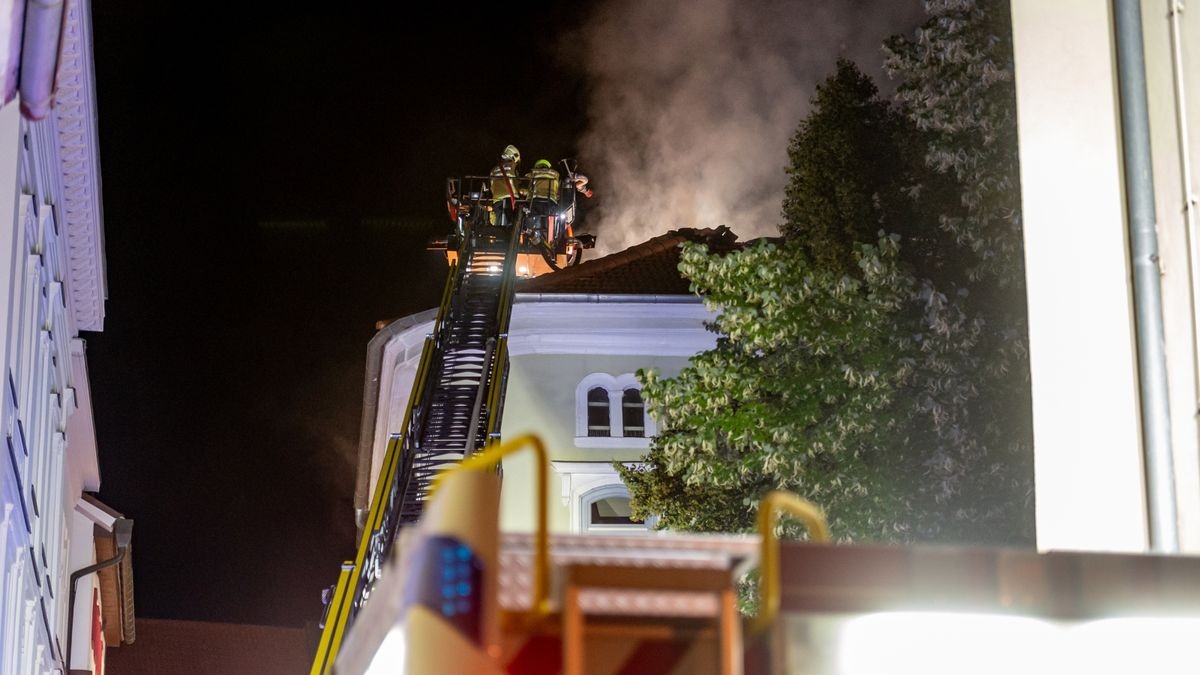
x: 1087, y: 422
x: 1080, y: 318
x: 542, y: 398
x: 554, y: 344
x: 34, y: 410
x: 45, y: 218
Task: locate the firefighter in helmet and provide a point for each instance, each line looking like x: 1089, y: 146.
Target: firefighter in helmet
x: 543, y: 191
x: 504, y: 187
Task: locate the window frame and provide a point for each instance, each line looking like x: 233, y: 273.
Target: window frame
x: 599, y: 493
x: 616, y: 386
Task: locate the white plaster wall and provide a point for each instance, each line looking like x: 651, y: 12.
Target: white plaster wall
x: 553, y: 346
x: 1089, y: 485
x: 83, y: 553
x: 401, y: 359
x: 541, y: 400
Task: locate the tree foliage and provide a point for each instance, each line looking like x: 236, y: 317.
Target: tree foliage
x: 799, y: 391
x: 956, y: 83
x: 848, y: 165
x: 882, y: 375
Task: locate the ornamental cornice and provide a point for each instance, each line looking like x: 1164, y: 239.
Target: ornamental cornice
x: 79, y: 166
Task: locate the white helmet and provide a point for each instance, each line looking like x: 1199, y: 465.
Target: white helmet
x: 511, y: 154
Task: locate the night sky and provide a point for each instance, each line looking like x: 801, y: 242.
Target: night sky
x: 271, y: 178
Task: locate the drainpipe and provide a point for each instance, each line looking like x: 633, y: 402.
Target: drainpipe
x: 1190, y: 202
x: 123, y: 531
x: 1158, y: 457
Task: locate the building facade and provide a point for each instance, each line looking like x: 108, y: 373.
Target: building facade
x: 576, y: 341
x: 52, y: 288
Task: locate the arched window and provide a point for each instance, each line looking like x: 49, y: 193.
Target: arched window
x: 607, y: 509
x: 598, y: 421
x: 611, y: 511
x: 610, y: 413
x: 633, y: 414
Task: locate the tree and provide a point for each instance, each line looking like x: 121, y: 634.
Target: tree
x: 799, y: 393
x: 956, y: 84
x: 892, y: 390
x: 849, y: 164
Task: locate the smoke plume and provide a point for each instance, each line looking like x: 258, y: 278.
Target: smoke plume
x: 692, y: 104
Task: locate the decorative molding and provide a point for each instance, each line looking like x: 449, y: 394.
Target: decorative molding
x: 624, y: 328
x: 602, y: 442
x: 584, y: 482
x: 79, y: 159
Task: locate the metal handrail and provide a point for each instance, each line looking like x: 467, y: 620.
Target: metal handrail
x: 769, y: 585
x: 488, y: 353
x: 496, y: 390
x: 447, y: 293
x: 500, y: 355
x: 487, y: 461
x: 478, y: 189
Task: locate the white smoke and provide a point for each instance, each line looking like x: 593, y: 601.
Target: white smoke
x: 692, y: 104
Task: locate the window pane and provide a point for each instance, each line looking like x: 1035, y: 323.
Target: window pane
x: 611, y: 511
x: 633, y: 414
x: 597, y: 412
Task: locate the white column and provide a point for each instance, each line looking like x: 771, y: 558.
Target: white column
x: 10, y: 154
x: 1089, y: 486
x: 616, y: 420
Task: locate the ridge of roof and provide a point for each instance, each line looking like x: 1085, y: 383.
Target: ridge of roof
x: 664, y: 246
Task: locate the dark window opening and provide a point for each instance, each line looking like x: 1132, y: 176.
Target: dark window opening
x: 633, y: 414
x: 611, y: 511
x: 597, y: 412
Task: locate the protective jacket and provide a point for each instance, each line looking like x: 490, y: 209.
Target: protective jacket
x: 504, y: 175
x: 544, y: 183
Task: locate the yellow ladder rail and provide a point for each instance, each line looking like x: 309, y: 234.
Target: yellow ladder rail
x: 769, y: 584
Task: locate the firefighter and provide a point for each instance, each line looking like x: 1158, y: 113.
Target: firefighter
x: 543, y: 191
x: 504, y: 188
x: 580, y: 182
x: 575, y: 182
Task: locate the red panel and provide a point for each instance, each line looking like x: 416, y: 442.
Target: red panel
x: 540, y: 655
x: 97, y: 633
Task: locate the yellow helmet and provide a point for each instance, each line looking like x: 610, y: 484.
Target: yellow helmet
x: 542, y: 164
x: 511, y: 154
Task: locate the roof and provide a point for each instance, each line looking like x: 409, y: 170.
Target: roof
x: 648, y: 268
x: 116, y: 583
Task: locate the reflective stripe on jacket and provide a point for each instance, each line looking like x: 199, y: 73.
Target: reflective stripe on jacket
x: 500, y: 189
x: 545, y: 184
